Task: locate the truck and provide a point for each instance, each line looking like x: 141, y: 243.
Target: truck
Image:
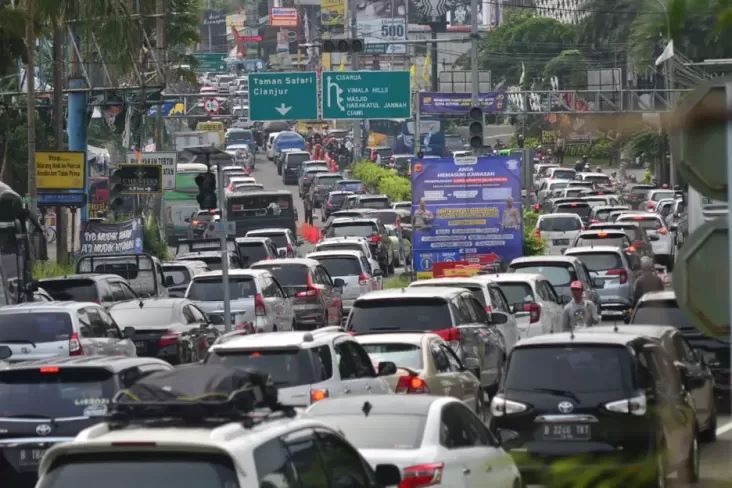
x: 193, y: 138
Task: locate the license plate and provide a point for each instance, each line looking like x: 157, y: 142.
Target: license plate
x: 30, y: 457
x: 566, y: 432
x: 560, y: 242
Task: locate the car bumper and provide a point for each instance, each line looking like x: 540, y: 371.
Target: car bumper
x: 12, y: 451
x: 309, y: 316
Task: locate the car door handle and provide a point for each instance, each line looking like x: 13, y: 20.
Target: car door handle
x: 368, y: 387
x: 346, y: 390
x: 466, y: 471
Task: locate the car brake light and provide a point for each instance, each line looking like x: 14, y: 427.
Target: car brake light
x: 594, y: 221
x: 534, y: 312
x: 49, y: 370
x: 375, y: 238
x: 602, y: 234
x: 290, y: 249
x: 422, y: 475
x: 620, y: 273
x: 631, y: 249
x: 317, y: 395
x: 451, y: 334
x: 259, y: 306
x: 411, y: 384
x: 75, y: 348
x: 488, y: 309
x: 169, y: 338
x: 328, y: 205
x: 310, y: 292
x: 651, y: 205
x: 363, y: 279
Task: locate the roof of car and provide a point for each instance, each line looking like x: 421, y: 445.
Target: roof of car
x: 401, y: 404
x: 658, y: 296
x: 325, y: 254
x: 477, y: 279
x: 655, y: 331
x: 155, y: 302
x: 268, y: 230
x: 346, y: 220
x: 349, y: 239
x: 544, y: 259
x: 593, y: 249
x: 245, y: 240
x: 594, y: 174
x: 296, y: 151
x: 579, y: 337
x: 32, y: 307
x: 188, y: 263
x: 639, y: 215
x: 367, y: 197
x: 284, y: 261
x: 415, y: 292
x: 282, y: 339
x: 415, y: 338
x: 340, y: 192
x: 617, y: 225
x: 514, y: 277
x: 232, y: 272
x: 208, y: 253
x: 560, y: 214
x: 82, y: 276
x: 111, y: 363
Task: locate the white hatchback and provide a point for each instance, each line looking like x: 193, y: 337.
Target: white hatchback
x: 558, y: 231
x: 537, y: 306
x: 355, y: 271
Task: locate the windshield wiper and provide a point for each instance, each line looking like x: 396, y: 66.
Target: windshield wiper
x: 18, y: 341
x: 554, y: 391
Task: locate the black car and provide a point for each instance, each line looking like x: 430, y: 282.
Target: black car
x: 198, y: 222
x: 47, y: 402
x: 604, y: 406
x: 253, y: 249
x: 333, y: 203
x: 661, y: 308
x: 636, y: 195
x: 321, y: 185
x: 291, y: 166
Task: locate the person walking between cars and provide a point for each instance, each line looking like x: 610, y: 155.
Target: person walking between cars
x: 308, y: 204
x: 579, y: 312
x: 648, y: 280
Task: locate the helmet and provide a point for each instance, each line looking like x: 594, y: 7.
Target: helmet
x: 576, y: 285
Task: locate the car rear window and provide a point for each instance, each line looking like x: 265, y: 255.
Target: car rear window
x: 564, y: 174
x: 581, y: 209
x: 600, y: 180
x: 378, y: 431
x: 400, y: 314
x: 71, y: 290
x: 35, y: 327
x: 295, y: 160
x: 559, y: 224
x: 661, y: 312
x: 152, y: 469
x: 337, y: 199
x: 287, y: 367
x: 638, y: 191
x: 374, y: 203
x: 386, y: 218
x: 558, y: 274
x: 648, y: 223
x: 279, y: 239
x: 179, y: 274
x: 354, y: 186
x: 595, y: 240
x: 341, y: 266
x: 53, y: 392
x: 146, y: 317
x: 474, y: 289
x: 403, y: 355
x: 570, y: 368
x: 211, y: 289
x: 348, y: 229
x: 517, y: 293
x: 660, y: 195
x: 329, y: 180
x: 251, y: 252
x: 600, y: 261
x: 287, y: 275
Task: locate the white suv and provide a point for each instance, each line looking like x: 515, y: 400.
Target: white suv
x: 306, y: 366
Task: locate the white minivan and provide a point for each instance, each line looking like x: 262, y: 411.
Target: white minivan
x: 270, y: 145
x: 558, y: 231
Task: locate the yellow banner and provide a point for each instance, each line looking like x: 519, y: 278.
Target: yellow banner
x: 332, y: 12
x: 60, y: 170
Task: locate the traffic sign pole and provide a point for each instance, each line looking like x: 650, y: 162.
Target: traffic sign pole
x: 729, y: 203
x: 224, y: 248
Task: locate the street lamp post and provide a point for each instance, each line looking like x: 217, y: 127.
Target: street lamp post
x: 668, y: 75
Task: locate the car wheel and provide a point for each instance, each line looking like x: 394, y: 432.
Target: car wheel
x: 689, y: 473
x: 710, y: 433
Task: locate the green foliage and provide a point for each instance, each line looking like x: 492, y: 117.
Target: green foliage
x: 570, y: 67
x: 599, y: 149
x: 151, y: 241
x: 400, y: 281
x: 533, y: 246
x: 12, y: 32
x: 647, y: 177
x: 382, y: 180
x: 48, y: 269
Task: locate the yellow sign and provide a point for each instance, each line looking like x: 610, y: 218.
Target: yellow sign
x: 60, y: 170
x: 332, y: 13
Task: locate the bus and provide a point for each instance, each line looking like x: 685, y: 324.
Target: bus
x: 261, y: 209
x: 181, y: 203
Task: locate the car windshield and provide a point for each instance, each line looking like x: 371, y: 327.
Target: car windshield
x: 341, y: 266
x: 35, y: 327
x: 558, y: 274
x: 347, y: 229
x: 600, y: 261
x: 178, y: 274
x: 151, y: 468
x: 596, y: 240
x: 54, y: 392
x: 143, y: 317
x: 400, y: 314
x: 570, y: 368
x: 559, y: 224
x: 211, y: 289
x: 517, y: 292
x: 251, y: 252
x: 403, y: 355
x: 279, y: 238
x: 287, y: 367
x: 71, y: 290
x: 582, y: 210
x: 379, y: 431
x: 288, y: 275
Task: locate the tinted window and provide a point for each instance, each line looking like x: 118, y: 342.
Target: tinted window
x: 558, y: 275
x: 179, y: 275
x: 306, y: 459
x: 328, y: 180
x: 259, y: 205
x: 287, y: 367
x: 212, y: 289
x: 600, y: 180
x: 662, y: 312
x: 35, y: 327
x: 660, y: 195
x: 341, y: 266
x: 582, y: 210
x: 407, y: 355
x: 295, y: 160
x: 342, y: 462
x: 374, y: 203
x: 288, y: 275
x: 273, y: 467
x: 559, y: 224
x: 563, y: 174
x: 648, y: 223
x: 61, y: 392
x: 71, y: 290
x: 600, y: 261
x: 379, y: 431
x: 517, y: 292
x: 279, y: 239
x: 337, y: 198
x: 594, y: 240
x: 400, y: 314
x: 347, y: 229
x: 252, y: 252
x: 354, y: 186
x: 152, y: 469
x: 577, y: 369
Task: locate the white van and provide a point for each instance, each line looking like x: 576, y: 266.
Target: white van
x: 558, y: 230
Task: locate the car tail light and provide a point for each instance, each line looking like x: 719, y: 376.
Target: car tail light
x: 375, y: 238
x: 500, y: 406
x: 534, y: 311
x: 411, y: 384
x: 311, y: 291
x: 290, y: 249
x: 259, y: 306
x: 169, y: 338
x: 329, y: 205
x: 50, y: 370
x: 594, y: 221
x: 620, y: 273
x: 75, y: 348
x: 247, y: 326
x: 317, y: 395
x: 488, y: 309
x: 651, y: 205
x: 363, y: 279
x: 422, y: 475
x: 634, y: 406
x: 451, y: 334
x: 536, y: 207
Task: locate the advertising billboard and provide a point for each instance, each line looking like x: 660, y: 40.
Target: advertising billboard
x: 431, y: 137
x: 333, y: 15
x: 459, y: 103
x: 60, y: 170
x: 466, y: 210
x: 382, y: 20
x: 283, y: 17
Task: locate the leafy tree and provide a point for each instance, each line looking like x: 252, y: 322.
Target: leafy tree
x: 12, y: 31
x: 570, y: 67
x: 604, y: 32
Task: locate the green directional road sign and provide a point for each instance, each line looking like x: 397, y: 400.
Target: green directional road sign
x: 213, y: 62
x: 283, y: 96
x: 366, y: 95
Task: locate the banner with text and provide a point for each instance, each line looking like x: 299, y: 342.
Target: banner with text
x: 118, y: 238
x: 333, y: 15
x: 459, y: 103
x: 166, y: 160
x: 466, y: 209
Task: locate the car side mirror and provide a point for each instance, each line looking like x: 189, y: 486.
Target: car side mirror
x: 497, y: 318
x: 5, y: 352
x: 509, y: 438
x: 128, y: 332
x: 168, y: 281
x: 388, y: 475
x: 598, y: 283
x: 387, y: 368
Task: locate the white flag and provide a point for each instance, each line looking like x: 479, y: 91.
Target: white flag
x: 523, y: 74
x: 668, y: 53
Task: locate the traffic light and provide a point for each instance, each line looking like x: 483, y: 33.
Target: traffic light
x: 116, y: 188
x: 342, y: 46
x: 475, y: 127
x: 206, y: 191
x: 520, y: 141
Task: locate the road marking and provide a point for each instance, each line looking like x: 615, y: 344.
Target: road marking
x: 724, y: 429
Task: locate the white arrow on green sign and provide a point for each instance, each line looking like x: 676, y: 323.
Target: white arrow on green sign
x: 283, y: 96
x: 366, y: 95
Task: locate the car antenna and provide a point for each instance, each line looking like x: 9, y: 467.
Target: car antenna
x: 366, y: 409
x: 141, y: 303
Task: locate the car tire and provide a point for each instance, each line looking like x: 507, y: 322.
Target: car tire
x: 689, y: 472
x: 709, y: 434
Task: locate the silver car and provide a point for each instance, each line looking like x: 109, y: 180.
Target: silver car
x: 663, y: 243
x: 613, y: 266
x: 306, y: 367
x: 41, y: 330
x: 258, y: 302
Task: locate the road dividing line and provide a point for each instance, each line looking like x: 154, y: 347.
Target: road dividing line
x: 724, y: 428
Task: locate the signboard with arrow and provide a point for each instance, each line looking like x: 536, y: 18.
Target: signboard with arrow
x: 283, y: 96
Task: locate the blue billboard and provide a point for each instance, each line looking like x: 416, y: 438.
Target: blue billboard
x: 431, y: 140
x: 466, y: 209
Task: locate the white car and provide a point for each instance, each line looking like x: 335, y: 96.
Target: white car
x: 402, y: 205
x: 561, y: 173
x: 437, y: 440
x: 270, y: 145
x: 655, y: 196
x: 354, y: 243
x: 599, y: 179
x: 540, y: 171
x: 548, y: 186
x: 489, y: 294
x: 664, y: 248
x: 537, y: 306
x: 355, y: 271
x: 558, y: 230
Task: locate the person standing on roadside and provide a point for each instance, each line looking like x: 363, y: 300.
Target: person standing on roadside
x: 579, y: 312
x: 308, y: 204
x: 648, y: 280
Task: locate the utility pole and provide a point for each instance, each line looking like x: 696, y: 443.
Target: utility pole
x: 474, y: 38
x: 354, y: 67
x: 58, y: 132
x: 433, y: 55
x: 30, y: 79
